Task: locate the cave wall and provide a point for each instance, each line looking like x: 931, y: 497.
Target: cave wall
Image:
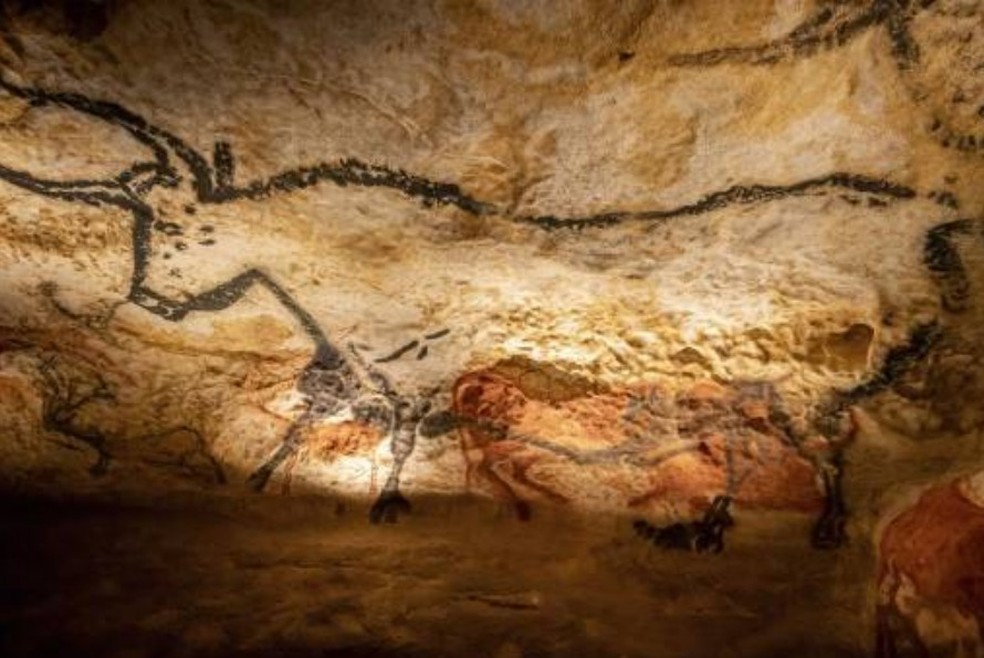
x: 677, y: 263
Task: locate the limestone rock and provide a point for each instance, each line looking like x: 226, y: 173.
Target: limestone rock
x: 624, y: 260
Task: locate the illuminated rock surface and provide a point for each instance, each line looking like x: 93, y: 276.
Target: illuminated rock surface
x: 655, y: 327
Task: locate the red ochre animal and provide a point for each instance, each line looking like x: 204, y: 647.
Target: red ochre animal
x: 527, y: 438
x: 931, y: 577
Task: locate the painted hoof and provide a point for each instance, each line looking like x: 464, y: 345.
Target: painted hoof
x: 388, y: 508
x: 829, y: 533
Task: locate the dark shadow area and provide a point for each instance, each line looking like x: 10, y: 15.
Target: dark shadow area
x: 284, y: 577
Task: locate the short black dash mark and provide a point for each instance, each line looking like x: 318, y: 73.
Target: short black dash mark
x: 422, y: 354
x: 207, y: 243
x: 625, y: 55
x: 206, y: 228
x: 168, y: 228
x: 398, y: 353
x: 437, y: 334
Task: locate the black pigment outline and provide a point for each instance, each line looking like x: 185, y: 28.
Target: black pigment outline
x: 330, y: 381
x: 735, y: 195
x: 943, y: 260
x: 833, y: 26
x: 829, y: 27
x: 64, y: 401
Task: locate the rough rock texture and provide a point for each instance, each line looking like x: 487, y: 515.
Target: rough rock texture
x: 705, y: 275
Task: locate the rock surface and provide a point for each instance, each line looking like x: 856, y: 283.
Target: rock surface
x: 712, y: 267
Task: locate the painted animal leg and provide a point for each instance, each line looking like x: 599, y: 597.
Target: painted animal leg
x: 259, y: 478
x: 288, y: 479
x: 327, y: 381
x: 485, y: 468
x: 391, y: 503
x: 710, y: 530
x: 521, y: 467
x: 828, y: 532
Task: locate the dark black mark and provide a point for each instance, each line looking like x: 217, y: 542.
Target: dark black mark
x: 946, y: 199
x: 942, y: 258
x: 224, y: 164
x: 414, y: 344
x: 704, y: 536
x: 738, y: 194
x: 400, y: 351
x: 438, y: 423
x: 190, y: 209
x: 828, y: 532
x: 625, y: 55
x: 206, y: 228
x: 168, y: 228
x: 65, y: 397
x: 180, y: 246
x: 437, y: 334
x: 207, y: 243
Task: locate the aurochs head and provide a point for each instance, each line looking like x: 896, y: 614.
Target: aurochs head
x: 66, y: 145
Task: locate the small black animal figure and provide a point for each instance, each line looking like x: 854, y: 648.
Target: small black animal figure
x: 704, y: 536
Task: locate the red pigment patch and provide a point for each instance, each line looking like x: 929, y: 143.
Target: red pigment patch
x: 642, y: 446
x: 939, y: 545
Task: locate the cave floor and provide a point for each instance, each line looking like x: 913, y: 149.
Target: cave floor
x: 309, y: 578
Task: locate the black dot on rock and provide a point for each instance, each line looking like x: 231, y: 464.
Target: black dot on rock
x: 180, y: 246
x: 190, y: 209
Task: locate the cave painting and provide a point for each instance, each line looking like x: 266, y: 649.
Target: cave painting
x: 950, y: 87
x: 735, y: 442
x: 931, y: 575
x: 734, y: 437
x: 517, y: 426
